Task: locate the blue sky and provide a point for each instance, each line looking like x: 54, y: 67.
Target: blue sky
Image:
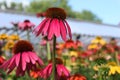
x: 107, y: 10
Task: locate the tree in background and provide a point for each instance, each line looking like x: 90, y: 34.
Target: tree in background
x: 41, y: 6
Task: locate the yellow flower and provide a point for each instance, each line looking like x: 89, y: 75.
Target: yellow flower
x: 93, y: 46
x: 9, y: 45
x: 3, y: 36
x: 14, y: 37
x: 114, y: 69
x: 98, y: 40
x: 96, y: 68
x: 112, y: 64
x: 74, y: 53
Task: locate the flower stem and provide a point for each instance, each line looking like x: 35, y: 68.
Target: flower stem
x: 53, y: 59
x: 28, y: 35
x: 116, y: 57
x: 48, y: 51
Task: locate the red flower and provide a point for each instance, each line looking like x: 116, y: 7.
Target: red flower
x: 70, y: 44
x: 2, y: 60
x: 35, y: 73
x: 60, y: 70
x: 25, y: 25
x: 54, y: 24
x: 77, y: 77
x: 24, y: 59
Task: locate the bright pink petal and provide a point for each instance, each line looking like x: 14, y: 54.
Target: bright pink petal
x: 40, y: 27
x: 63, y: 30
x: 69, y: 30
x: 65, y: 71
x: 34, y: 56
x: 56, y: 27
x: 40, y: 62
x: 26, y: 56
x: 17, y: 59
x: 12, y: 60
x: 46, y: 26
x: 23, y: 62
x: 51, y: 30
x: 59, y: 70
x: 32, y: 59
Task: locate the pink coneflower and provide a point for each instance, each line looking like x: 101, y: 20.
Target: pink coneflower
x: 60, y: 70
x: 54, y: 24
x: 25, y: 25
x: 24, y: 59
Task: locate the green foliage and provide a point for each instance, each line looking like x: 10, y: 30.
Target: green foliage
x: 41, y: 6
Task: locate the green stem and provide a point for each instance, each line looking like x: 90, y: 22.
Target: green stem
x: 48, y: 51
x: 53, y: 59
x: 116, y: 58
x: 28, y: 35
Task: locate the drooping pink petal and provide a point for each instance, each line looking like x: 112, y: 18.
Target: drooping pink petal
x: 69, y: 30
x: 46, y: 71
x: 40, y: 62
x: 34, y: 56
x: 18, y: 70
x: 56, y: 27
x: 63, y: 30
x: 65, y: 71
x: 17, y: 59
x: 12, y: 60
x: 26, y: 56
x: 23, y: 62
x: 5, y: 64
x: 32, y: 59
x: 47, y: 25
x: 59, y: 70
x: 51, y: 30
x: 13, y: 65
x: 40, y: 27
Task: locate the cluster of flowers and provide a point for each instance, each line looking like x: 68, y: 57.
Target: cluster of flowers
x: 24, y: 57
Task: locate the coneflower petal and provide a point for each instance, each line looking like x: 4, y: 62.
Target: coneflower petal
x: 34, y: 56
x: 27, y: 57
x: 63, y: 30
x: 32, y: 59
x: 65, y: 71
x: 57, y: 27
x: 23, y: 62
x: 40, y: 27
x: 18, y: 70
x: 50, y: 31
x: 13, y: 65
x: 59, y: 71
x: 40, y: 62
x: 12, y: 60
x: 46, y: 26
x: 5, y: 64
x: 17, y: 59
x: 69, y: 30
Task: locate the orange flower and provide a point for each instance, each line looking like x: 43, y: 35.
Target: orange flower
x: 77, y: 77
x: 35, y: 73
x: 70, y: 44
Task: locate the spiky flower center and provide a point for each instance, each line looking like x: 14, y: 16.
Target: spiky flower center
x: 56, y: 13
x: 57, y: 61
x: 22, y: 46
